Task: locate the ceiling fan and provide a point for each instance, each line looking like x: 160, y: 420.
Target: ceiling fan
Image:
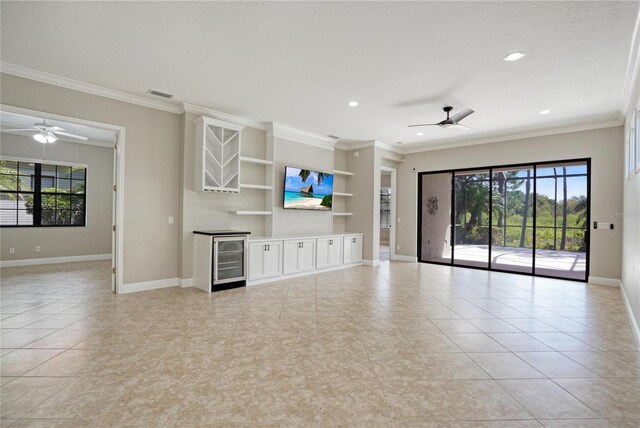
x: 450, y: 122
x: 46, y: 133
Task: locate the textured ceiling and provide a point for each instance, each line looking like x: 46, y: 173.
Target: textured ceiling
x: 300, y: 63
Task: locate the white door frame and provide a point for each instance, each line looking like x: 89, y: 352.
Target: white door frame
x: 117, y: 246
x: 392, y: 217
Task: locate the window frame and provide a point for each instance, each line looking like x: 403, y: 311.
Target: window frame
x: 40, y: 193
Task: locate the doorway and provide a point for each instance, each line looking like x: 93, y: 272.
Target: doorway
x: 117, y: 166
x: 525, y: 218
x: 387, y: 213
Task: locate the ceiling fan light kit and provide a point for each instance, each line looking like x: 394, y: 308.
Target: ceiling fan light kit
x: 45, y: 137
x: 47, y: 134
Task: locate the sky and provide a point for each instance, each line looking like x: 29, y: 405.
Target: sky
x: 293, y: 182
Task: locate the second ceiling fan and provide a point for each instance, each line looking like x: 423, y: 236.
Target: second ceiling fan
x: 449, y: 122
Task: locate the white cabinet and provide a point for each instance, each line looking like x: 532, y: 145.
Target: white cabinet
x: 217, y: 155
x: 329, y: 252
x: 352, y: 249
x: 265, y: 259
x: 299, y: 256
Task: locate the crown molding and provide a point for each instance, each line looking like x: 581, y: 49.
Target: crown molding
x: 76, y: 85
x: 354, y: 145
x: 300, y: 136
x: 518, y: 136
x: 238, y: 120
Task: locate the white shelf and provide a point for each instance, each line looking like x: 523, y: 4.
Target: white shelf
x: 255, y: 186
x: 255, y: 160
x: 338, y: 172
x: 342, y: 214
x: 251, y: 212
x: 335, y: 193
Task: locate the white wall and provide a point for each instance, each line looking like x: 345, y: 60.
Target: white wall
x: 152, y: 169
x: 95, y: 237
x: 603, y: 146
x: 630, y: 215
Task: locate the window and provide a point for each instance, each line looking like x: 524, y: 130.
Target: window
x: 40, y: 194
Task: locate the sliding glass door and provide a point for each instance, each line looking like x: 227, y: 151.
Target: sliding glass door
x: 527, y: 218
x: 435, y: 223
x: 512, y: 219
x: 471, y: 231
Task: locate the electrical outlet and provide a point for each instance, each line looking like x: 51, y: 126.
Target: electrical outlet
x: 398, y: 220
x: 397, y: 247
x: 170, y: 219
x: 37, y: 249
x: 12, y: 250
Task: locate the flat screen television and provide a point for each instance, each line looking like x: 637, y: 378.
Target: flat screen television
x: 305, y: 189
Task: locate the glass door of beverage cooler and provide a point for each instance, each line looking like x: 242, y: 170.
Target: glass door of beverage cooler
x: 228, y: 259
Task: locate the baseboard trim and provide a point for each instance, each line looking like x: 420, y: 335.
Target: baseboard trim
x: 400, y: 258
x: 149, y: 285
x: 54, y: 260
x: 371, y: 262
x: 609, y: 282
x: 635, y: 326
x: 186, y: 282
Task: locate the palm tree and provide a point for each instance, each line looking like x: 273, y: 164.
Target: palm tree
x: 581, y: 209
x: 305, y: 173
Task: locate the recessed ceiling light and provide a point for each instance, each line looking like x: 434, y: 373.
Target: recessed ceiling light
x: 353, y: 104
x: 419, y: 133
x: 514, y: 56
x: 399, y: 142
x: 545, y: 111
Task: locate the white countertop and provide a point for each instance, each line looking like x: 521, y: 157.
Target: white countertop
x: 290, y: 237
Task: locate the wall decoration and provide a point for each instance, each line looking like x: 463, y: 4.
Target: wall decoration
x: 432, y: 205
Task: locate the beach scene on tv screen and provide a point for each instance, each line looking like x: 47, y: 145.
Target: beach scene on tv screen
x: 307, y: 190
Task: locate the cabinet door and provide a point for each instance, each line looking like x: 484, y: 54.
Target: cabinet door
x: 291, y: 249
x: 272, y: 260
x: 357, y: 250
x: 322, y: 251
x: 256, y: 260
x: 347, y: 258
x: 335, y: 252
x: 306, y: 255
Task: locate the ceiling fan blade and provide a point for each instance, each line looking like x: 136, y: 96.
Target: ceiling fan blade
x: 66, y: 134
x: 55, y: 129
x: 424, y: 124
x: 459, y: 116
x: 19, y: 130
x: 466, y: 128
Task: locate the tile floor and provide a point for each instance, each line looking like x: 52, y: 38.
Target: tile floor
x: 400, y: 345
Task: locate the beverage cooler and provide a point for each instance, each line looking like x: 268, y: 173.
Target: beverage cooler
x: 220, y: 259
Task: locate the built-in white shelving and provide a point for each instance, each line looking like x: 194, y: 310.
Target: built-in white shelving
x: 251, y: 212
x: 255, y: 186
x: 337, y: 193
x: 338, y: 172
x: 342, y: 214
x: 256, y: 160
